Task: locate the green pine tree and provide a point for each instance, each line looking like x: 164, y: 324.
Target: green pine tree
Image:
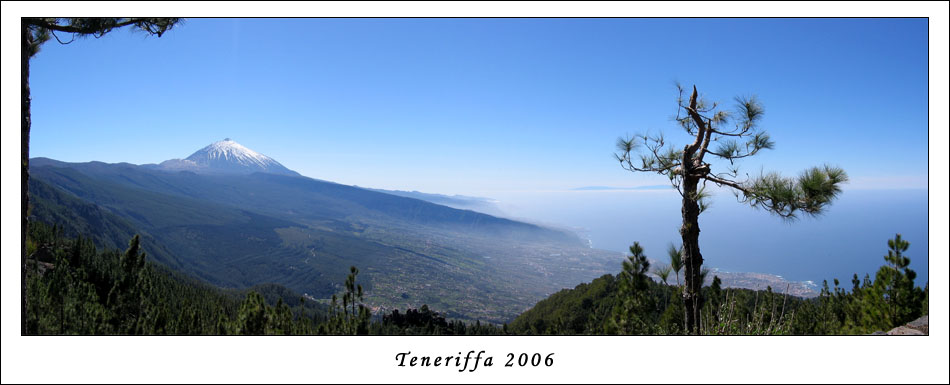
x: 896, y: 281
x: 632, y: 313
x: 126, y: 295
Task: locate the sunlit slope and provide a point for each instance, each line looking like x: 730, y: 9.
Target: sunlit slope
x: 243, y: 230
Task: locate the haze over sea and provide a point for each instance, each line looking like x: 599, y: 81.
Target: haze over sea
x: 851, y: 237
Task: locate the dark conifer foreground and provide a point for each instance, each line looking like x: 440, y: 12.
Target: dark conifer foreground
x: 613, y: 305
x: 74, y: 288
x: 33, y: 33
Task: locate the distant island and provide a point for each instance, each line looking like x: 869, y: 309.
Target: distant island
x: 599, y: 188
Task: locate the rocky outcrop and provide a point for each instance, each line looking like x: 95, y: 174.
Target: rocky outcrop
x: 917, y: 327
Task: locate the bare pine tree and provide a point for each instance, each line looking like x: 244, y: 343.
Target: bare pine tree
x: 737, y: 136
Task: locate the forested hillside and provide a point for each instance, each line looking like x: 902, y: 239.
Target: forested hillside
x: 238, y: 231
x: 612, y: 305
x: 76, y: 288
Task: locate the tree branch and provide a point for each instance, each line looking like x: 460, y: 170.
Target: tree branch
x: 100, y: 26
x: 731, y: 157
x: 724, y: 182
x: 698, y: 119
x: 702, y: 151
x: 43, y: 23
x: 739, y: 134
x: 60, y: 41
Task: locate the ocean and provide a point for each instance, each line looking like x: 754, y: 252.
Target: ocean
x: 850, y: 237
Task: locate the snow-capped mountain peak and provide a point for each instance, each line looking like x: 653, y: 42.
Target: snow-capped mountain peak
x: 231, y: 151
x: 227, y: 157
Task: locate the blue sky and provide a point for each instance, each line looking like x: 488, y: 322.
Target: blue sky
x: 475, y: 106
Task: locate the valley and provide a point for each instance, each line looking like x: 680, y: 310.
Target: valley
x: 237, y: 230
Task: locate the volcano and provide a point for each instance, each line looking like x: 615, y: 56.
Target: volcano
x: 226, y: 157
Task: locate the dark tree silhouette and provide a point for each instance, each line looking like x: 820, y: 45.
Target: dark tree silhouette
x: 689, y: 171
x: 896, y: 283
x: 631, y: 313
x: 33, y: 33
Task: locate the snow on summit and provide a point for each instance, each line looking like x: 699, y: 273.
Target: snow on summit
x: 227, y: 157
x: 231, y: 151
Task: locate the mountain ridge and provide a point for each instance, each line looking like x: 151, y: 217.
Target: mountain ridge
x: 239, y: 230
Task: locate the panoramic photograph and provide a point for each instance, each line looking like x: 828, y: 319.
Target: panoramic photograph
x: 474, y: 177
